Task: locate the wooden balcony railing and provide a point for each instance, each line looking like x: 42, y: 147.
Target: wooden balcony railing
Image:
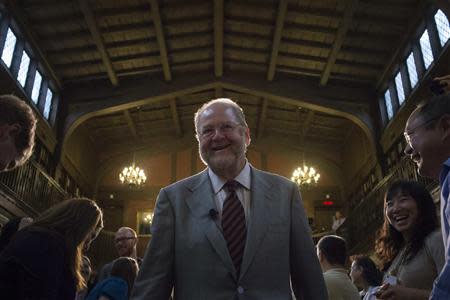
x: 31, y: 189
x: 366, y: 218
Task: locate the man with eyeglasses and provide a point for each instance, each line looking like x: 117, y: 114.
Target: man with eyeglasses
x: 125, y: 241
x: 231, y: 231
x: 17, y: 129
x: 427, y: 134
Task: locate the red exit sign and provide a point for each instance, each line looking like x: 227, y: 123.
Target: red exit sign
x: 328, y: 203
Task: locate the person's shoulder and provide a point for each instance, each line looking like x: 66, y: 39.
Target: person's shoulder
x: 434, y: 244
x: 42, y: 238
x: 275, y: 178
x: 108, y: 265
x: 114, y: 287
x: 189, y: 182
x: 434, y: 237
x: 114, y: 281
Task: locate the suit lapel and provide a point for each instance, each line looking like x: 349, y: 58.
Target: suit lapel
x: 200, y: 203
x: 261, y: 199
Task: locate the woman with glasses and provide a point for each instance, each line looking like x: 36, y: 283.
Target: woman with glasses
x: 409, y: 243
x: 43, y: 260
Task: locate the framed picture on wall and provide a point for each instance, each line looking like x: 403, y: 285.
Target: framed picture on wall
x: 144, y: 222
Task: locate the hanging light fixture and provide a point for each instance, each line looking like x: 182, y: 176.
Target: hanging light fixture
x: 305, y: 176
x: 132, y: 175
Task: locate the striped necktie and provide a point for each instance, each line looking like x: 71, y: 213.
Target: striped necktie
x: 233, y: 224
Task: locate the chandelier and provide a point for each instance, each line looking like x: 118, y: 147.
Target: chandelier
x: 132, y: 175
x: 305, y: 176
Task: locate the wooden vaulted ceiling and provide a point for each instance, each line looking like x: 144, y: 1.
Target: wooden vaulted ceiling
x: 348, y: 40
x: 352, y: 42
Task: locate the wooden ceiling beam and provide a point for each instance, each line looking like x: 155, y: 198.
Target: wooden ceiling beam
x: 218, y: 92
x: 373, y: 65
x: 281, y: 15
x: 405, y: 38
x: 354, y: 50
x: 332, y: 31
x: 335, y: 123
x: 161, y: 39
x: 298, y: 134
x: 262, y: 118
x: 98, y: 39
x: 307, y: 122
x: 25, y: 27
x: 131, y: 124
x: 334, y: 14
x: 338, y: 41
x: 218, y: 37
x: 349, y: 134
x: 123, y: 10
x: 315, y: 12
x: 86, y: 99
x: 175, y: 117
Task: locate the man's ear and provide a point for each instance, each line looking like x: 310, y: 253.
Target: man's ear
x: 320, y: 256
x: 247, y: 136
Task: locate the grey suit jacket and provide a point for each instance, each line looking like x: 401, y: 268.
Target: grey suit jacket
x: 188, y: 252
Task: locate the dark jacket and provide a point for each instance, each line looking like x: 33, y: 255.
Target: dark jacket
x: 35, y: 265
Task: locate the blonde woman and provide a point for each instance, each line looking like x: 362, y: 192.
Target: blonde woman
x: 43, y: 260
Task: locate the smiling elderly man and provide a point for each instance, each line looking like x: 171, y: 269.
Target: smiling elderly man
x: 427, y: 134
x: 231, y: 231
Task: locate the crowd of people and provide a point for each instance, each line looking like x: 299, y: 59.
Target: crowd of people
x: 233, y: 231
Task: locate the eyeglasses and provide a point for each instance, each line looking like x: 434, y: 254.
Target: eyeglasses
x: 226, y: 128
x: 408, y: 135
x: 124, y: 239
